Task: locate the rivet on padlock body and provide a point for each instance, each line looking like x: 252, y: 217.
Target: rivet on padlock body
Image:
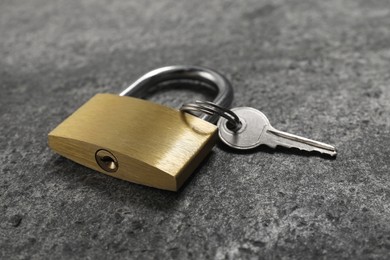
x: 140, y: 141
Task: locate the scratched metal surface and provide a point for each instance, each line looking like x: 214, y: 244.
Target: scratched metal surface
x: 315, y: 68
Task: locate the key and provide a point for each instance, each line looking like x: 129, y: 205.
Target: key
x: 256, y: 130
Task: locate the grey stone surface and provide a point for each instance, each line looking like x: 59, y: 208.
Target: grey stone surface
x: 320, y: 69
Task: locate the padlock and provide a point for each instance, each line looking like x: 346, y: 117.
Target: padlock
x: 140, y: 141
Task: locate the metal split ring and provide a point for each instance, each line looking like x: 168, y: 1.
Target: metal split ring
x: 211, y: 108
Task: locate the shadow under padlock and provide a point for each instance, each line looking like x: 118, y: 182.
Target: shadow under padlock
x: 138, y: 140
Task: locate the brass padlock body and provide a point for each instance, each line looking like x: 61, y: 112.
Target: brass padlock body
x: 152, y: 144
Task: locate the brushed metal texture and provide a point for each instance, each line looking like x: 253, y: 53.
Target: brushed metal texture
x: 154, y: 145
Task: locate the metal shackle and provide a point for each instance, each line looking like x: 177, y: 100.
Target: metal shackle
x: 202, y: 75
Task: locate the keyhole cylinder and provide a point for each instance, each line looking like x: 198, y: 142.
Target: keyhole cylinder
x: 106, y: 160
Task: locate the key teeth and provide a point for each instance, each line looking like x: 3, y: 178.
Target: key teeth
x: 280, y: 138
x: 329, y: 153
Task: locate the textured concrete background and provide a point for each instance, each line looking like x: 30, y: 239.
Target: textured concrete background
x: 320, y: 69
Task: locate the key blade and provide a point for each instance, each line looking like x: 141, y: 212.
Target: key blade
x: 276, y: 137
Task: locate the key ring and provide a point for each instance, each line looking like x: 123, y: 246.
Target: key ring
x: 210, y: 108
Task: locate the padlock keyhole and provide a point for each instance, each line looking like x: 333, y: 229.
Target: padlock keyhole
x: 106, y: 160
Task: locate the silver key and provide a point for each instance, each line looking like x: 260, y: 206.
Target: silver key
x: 257, y: 130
